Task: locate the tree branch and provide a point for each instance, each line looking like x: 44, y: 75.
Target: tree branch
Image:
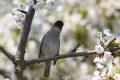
x: 35, y: 1
x: 5, y: 74
x: 73, y: 54
x: 19, y: 57
x: 25, y: 33
x: 8, y: 54
x: 113, y: 49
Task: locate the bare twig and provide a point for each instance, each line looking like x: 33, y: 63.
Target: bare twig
x: 22, y: 11
x: 8, y: 54
x: 73, y: 54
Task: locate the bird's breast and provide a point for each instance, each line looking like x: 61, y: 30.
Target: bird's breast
x: 51, y: 47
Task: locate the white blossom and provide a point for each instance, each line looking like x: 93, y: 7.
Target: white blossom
x: 30, y: 2
x: 99, y: 49
x: 104, y: 77
x: 101, y: 60
x: 102, y: 39
x: 99, y: 34
x: 38, y: 21
x: 18, y: 16
x: 38, y: 4
x: 116, y: 61
x: 96, y: 78
x: 104, y: 72
x: 107, y: 55
x: 117, y: 40
x: 6, y: 79
x: 75, y: 18
x: 18, y: 25
x: 51, y: 4
x: 99, y: 66
x: 107, y: 32
x: 110, y: 69
x: 97, y: 60
x: 104, y: 60
x: 66, y: 78
x: 22, y: 6
x: 60, y: 8
x: 96, y: 73
x: 39, y: 1
x: 116, y: 77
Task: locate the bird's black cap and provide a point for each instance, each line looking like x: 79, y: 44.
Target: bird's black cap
x: 59, y: 24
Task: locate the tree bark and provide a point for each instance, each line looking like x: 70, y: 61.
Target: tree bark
x: 22, y: 44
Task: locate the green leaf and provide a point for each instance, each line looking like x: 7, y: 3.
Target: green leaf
x: 111, y: 44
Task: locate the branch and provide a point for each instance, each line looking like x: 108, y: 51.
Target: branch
x: 73, y: 54
x: 8, y: 54
x: 35, y: 1
x: 23, y: 42
x: 113, y: 49
x: 22, y: 11
x: 5, y: 74
x: 25, y: 33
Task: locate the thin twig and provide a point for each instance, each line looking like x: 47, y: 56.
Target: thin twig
x: 22, y: 11
x: 8, y: 54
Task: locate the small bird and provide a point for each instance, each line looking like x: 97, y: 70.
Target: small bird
x: 50, y: 45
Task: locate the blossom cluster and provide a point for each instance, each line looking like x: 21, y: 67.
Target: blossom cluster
x: 106, y: 55
x: 49, y: 4
x: 19, y: 12
x: 18, y: 15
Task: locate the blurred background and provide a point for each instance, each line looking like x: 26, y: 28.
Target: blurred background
x: 82, y: 20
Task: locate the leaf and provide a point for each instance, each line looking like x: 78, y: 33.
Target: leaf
x: 111, y: 44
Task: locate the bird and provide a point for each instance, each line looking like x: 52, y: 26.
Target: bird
x: 50, y: 45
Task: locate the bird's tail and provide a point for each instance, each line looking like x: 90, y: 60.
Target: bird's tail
x: 47, y: 69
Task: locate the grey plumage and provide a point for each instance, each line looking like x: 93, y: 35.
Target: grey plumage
x: 50, y: 45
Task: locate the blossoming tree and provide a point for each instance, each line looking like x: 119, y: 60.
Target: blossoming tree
x: 106, y: 52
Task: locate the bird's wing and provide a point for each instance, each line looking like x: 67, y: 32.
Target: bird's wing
x: 40, y: 52
x: 57, y: 54
x: 56, y: 60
